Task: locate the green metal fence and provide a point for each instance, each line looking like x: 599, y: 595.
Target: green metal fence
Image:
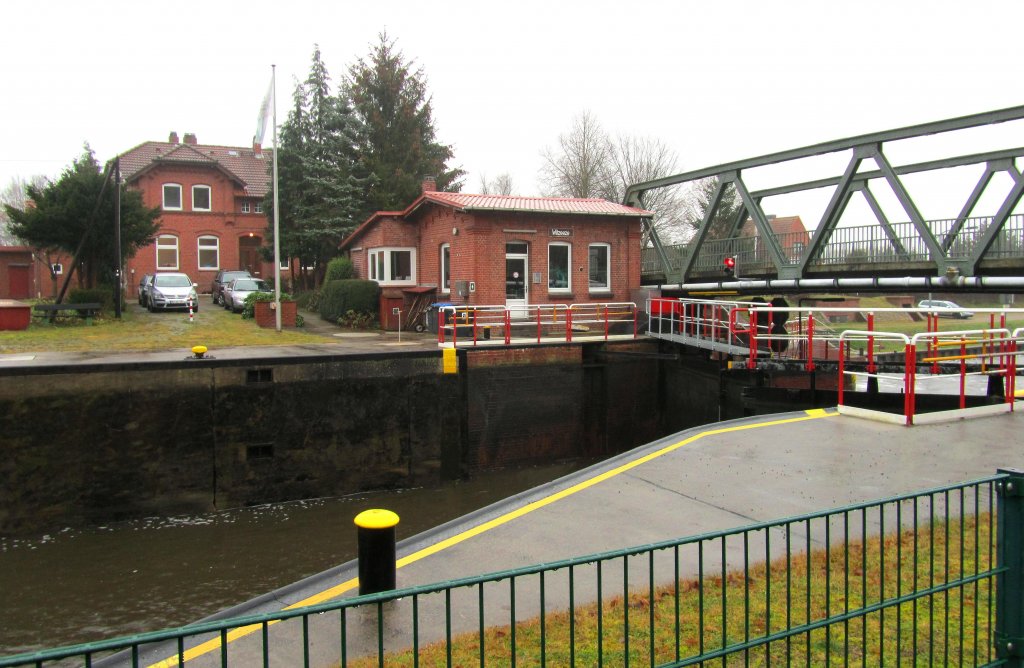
x: 935, y: 577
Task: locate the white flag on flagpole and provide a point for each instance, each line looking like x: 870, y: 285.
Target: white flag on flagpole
x: 264, y: 117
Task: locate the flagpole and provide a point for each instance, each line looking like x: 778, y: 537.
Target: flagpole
x: 277, y: 209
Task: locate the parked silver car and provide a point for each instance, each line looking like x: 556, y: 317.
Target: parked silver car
x: 950, y: 309
x: 168, y: 291
x: 237, y: 290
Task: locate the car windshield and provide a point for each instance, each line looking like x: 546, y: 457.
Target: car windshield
x: 172, y: 281
x: 248, y: 285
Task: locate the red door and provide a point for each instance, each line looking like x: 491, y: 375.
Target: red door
x: 20, y: 280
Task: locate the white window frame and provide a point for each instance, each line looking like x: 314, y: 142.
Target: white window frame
x: 163, y: 200
x: 167, y: 242
x: 245, y: 207
x: 446, y: 269
x: 200, y: 249
x: 209, y: 197
x: 568, y: 267
x: 607, y: 287
x: 380, y: 266
x: 259, y: 207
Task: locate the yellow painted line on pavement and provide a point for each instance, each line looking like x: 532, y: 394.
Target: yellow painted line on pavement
x: 348, y: 585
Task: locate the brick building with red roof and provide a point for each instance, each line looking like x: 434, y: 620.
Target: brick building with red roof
x: 493, y: 250
x: 211, y: 201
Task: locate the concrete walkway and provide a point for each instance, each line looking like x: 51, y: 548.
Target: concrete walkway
x: 707, y: 479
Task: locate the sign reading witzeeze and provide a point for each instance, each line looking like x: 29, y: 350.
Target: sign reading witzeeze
x: 555, y: 232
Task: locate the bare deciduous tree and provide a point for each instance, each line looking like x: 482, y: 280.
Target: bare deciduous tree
x: 588, y: 163
x: 500, y: 185
x: 15, y: 195
x: 641, y: 159
x: 581, y: 164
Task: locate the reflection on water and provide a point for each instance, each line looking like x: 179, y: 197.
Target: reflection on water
x: 74, y: 586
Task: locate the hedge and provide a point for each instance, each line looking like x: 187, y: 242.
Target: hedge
x: 339, y: 297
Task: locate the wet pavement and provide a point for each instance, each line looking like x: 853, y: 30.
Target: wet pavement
x: 706, y: 479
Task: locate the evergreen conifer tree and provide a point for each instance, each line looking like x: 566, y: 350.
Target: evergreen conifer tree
x: 321, y: 189
x: 399, y: 146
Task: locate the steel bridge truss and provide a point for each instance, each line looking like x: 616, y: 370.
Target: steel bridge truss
x: 943, y: 249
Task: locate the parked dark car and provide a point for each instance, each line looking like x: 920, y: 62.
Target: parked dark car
x: 144, y: 290
x: 222, y: 279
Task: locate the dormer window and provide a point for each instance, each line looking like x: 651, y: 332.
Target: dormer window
x: 172, y: 197
x: 200, y: 198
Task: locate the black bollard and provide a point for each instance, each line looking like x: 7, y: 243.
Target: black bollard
x: 376, y: 529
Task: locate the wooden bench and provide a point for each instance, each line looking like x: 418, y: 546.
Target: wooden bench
x: 51, y: 311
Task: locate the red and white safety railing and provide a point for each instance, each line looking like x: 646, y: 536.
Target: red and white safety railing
x: 994, y: 349
x: 465, y: 325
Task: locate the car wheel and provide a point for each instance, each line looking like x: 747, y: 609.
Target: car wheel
x: 152, y: 309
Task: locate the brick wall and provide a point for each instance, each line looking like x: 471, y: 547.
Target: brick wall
x: 477, y: 241
x: 225, y: 221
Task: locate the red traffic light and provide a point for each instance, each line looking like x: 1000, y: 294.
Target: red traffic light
x: 729, y: 265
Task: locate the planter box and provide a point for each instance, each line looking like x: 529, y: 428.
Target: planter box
x: 265, y: 314
x: 14, y: 315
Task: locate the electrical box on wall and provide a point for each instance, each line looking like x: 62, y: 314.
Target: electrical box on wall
x: 462, y: 288
x: 472, y: 286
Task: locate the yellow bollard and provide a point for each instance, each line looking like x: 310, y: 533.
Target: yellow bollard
x: 376, y: 533
x: 450, y: 360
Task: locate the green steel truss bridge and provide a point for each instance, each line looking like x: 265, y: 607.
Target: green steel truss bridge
x: 963, y: 252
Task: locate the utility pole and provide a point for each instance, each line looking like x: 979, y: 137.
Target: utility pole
x: 119, y: 271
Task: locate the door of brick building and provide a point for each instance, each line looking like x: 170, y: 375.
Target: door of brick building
x: 249, y: 255
x: 19, y: 279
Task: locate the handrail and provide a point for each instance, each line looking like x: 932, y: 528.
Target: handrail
x: 535, y: 323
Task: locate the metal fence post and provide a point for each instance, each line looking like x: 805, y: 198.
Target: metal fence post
x: 1009, y: 631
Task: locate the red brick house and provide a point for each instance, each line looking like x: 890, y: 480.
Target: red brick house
x: 492, y: 250
x: 793, y: 237
x: 212, y: 208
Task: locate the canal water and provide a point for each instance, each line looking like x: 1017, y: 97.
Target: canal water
x: 74, y: 586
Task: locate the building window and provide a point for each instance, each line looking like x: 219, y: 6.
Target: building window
x: 245, y: 207
x: 200, y: 198
x: 259, y: 207
x: 209, y: 253
x: 446, y: 268
x: 166, y: 252
x: 600, y: 274
x: 172, y: 197
x: 393, y: 266
x: 559, y: 262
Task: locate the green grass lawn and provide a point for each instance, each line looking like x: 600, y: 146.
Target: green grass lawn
x: 139, y: 330
x: 944, y: 628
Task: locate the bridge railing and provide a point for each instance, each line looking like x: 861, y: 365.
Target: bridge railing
x: 867, y: 244
x: 470, y: 325
x: 934, y: 575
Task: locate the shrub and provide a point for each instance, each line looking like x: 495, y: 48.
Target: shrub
x: 309, y: 300
x: 339, y: 297
x: 249, y: 306
x: 356, y: 320
x: 339, y: 269
x: 102, y: 295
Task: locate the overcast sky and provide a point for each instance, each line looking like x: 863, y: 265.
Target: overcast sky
x: 716, y: 81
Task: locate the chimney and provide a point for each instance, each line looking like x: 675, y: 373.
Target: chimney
x: 190, y: 138
x: 429, y: 184
x: 257, y: 148
x: 173, y: 139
